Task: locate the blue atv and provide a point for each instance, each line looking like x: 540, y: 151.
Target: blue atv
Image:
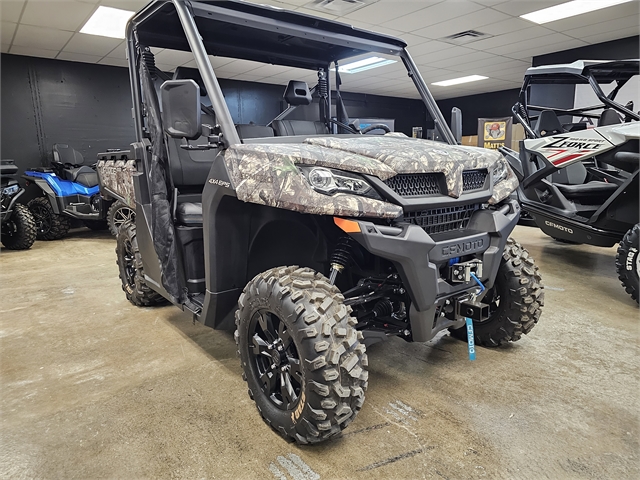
x: 70, y: 190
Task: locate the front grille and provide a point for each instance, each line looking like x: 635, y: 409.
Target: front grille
x: 440, y: 220
x: 414, y: 185
x: 473, y: 180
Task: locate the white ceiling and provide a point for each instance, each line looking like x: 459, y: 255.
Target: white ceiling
x: 50, y: 29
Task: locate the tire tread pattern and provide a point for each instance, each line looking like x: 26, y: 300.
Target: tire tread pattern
x: 60, y: 224
x: 629, y: 279
x: 25, y: 233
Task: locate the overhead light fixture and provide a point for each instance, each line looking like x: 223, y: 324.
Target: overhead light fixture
x: 364, y: 64
x: 108, y: 22
x: 569, y: 9
x: 457, y: 81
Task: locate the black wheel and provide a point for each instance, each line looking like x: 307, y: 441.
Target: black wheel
x: 19, y: 232
x: 302, y: 358
x: 49, y: 225
x: 119, y: 212
x: 131, y: 271
x: 96, y: 224
x: 628, y: 262
x: 515, y: 300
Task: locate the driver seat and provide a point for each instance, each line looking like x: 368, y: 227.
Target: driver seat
x: 297, y: 94
x: 548, y: 124
x: 72, y: 166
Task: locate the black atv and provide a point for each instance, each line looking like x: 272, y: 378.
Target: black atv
x: 578, y: 167
x: 310, y: 243
x: 18, y: 225
x: 68, y: 190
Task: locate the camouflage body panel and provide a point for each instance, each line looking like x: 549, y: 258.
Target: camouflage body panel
x: 406, y: 155
x: 267, y: 175
x: 116, y: 177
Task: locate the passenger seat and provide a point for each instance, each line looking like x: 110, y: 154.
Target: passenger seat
x: 250, y: 130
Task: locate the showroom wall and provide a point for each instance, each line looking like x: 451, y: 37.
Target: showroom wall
x: 88, y: 106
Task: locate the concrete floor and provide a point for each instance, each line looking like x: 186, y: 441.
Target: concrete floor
x: 93, y: 387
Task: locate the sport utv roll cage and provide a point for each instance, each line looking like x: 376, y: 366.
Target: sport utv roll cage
x: 225, y: 25
x: 580, y: 72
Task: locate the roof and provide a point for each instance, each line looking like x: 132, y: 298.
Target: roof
x: 601, y: 69
x: 262, y: 33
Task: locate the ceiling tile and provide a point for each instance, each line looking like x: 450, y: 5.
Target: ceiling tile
x: 513, y: 24
x: 608, y: 26
x: 62, y: 15
x: 237, y: 67
x: 432, y: 15
x: 517, y: 8
x: 78, y: 57
x: 605, y: 37
x: 33, y: 52
x: 558, y: 40
x: 116, y: 62
x: 4, y: 48
x: 10, y: 10
x: 385, y: 10
x: 437, y: 55
x: 494, y: 43
x: 8, y: 29
x: 131, y: 5
x: 46, y: 38
x: 630, y: 9
x: 173, y: 57
x: 471, y: 21
x: 92, y: 44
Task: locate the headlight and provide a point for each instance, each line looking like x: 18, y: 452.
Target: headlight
x: 500, y: 172
x: 330, y: 181
x: 11, y: 190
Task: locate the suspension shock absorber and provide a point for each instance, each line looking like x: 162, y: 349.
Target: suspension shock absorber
x: 150, y: 61
x: 340, y: 258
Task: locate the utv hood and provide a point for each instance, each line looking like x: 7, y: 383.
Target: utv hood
x: 267, y: 173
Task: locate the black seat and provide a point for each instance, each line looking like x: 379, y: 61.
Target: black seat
x: 189, y: 213
x: 285, y: 128
x: 585, y: 190
x: 253, y: 131
x: 548, y: 124
x: 66, y: 155
x: 609, y: 117
x: 86, y: 176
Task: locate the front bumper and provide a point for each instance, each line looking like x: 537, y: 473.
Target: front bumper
x: 418, y: 258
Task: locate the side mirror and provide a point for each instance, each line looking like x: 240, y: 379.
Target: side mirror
x: 181, y: 108
x: 456, y: 124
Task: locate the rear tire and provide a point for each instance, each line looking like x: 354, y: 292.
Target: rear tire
x: 119, y: 213
x: 131, y: 271
x: 516, y: 300
x: 19, y: 232
x: 49, y: 225
x: 302, y: 358
x: 628, y: 262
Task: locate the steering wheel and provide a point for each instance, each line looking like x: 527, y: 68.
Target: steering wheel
x: 376, y: 126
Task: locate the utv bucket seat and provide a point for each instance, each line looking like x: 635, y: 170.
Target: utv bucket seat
x: 298, y: 94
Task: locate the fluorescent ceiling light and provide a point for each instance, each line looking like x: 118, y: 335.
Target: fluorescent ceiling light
x: 569, y: 9
x: 107, y: 22
x: 364, y: 64
x: 457, y: 81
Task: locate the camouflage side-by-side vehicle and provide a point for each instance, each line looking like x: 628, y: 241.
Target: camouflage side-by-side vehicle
x: 309, y: 238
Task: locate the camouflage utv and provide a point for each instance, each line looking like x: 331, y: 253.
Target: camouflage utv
x: 309, y: 238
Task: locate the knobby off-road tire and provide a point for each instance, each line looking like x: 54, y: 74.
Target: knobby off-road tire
x: 49, y: 225
x: 19, y: 233
x: 516, y: 300
x: 119, y: 213
x: 628, y: 262
x: 320, y: 350
x: 131, y: 271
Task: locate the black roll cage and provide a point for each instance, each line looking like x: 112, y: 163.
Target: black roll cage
x: 345, y: 40
x: 521, y: 108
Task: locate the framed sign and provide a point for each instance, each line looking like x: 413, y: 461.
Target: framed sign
x: 494, y: 132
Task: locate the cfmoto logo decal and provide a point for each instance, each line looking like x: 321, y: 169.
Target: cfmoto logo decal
x: 559, y: 227
x: 463, y: 247
x: 222, y: 183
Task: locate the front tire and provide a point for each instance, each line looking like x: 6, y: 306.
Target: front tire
x: 302, y: 358
x: 119, y: 213
x: 49, y: 225
x: 628, y: 262
x: 516, y: 300
x: 131, y: 271
x: 19, y: 232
